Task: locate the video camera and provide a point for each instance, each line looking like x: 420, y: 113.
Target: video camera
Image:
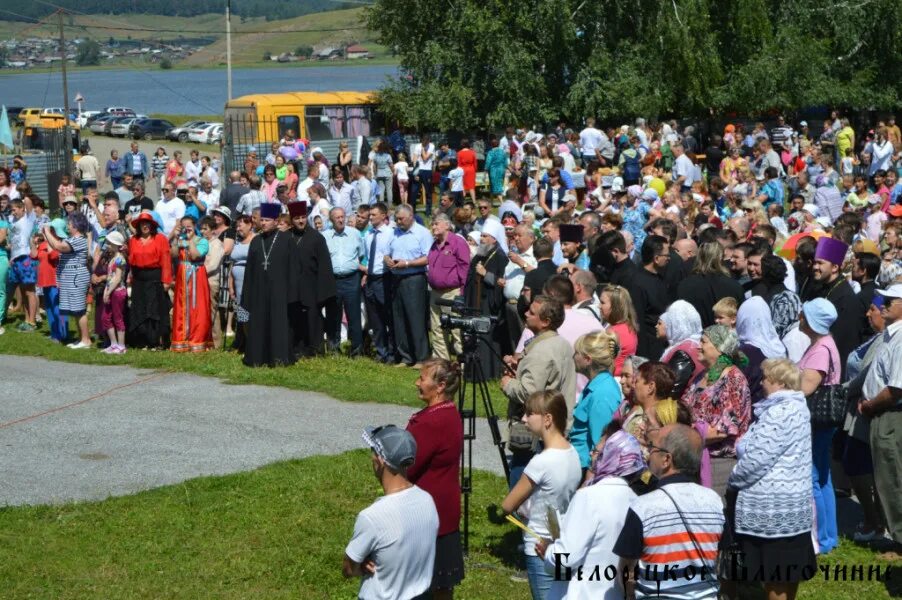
x: 468, y: 320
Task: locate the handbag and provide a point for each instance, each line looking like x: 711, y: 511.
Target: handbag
x: 521, y: 438
x: 828, y: 403
x: 683, y: 367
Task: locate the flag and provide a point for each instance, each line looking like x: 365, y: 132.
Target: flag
x: 6, y: 134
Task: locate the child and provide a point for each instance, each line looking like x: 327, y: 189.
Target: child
x: 66, y: 188
x: 114, y: 295
x: 18, y: 173
x: 725, y: 312
x: 456, y: 183
x: 48, y: 259
x: 847, y: 163
x: 401, y: 174
x: 548, y: 482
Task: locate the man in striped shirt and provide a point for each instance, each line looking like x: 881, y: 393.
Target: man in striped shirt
x: 668, y: 544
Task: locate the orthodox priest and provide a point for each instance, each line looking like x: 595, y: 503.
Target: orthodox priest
x: 269, y: 278
x: 484, y: 290
x: 314, y: 282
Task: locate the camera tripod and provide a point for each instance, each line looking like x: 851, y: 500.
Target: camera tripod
x: 473, y: 379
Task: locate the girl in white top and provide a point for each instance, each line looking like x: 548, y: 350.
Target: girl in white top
x: 548, y: 482
x: 401, y: 174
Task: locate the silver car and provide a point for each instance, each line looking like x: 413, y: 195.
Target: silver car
x: 180, y: 133
x: 120, y: 127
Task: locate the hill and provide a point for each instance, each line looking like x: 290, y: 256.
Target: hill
x: 251, y: 37
x: 272, y: 9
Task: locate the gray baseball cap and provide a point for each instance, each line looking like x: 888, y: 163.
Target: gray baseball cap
x: 392, y: 444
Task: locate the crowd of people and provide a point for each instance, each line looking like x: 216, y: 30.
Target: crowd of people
x: 677, y: 328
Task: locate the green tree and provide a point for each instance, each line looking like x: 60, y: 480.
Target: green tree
x: 489, y: 63
x: 88, y: 53
x: 303, y: 51
x: 166, y: 64
x: 267, y: 55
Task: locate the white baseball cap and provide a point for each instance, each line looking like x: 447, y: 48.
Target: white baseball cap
x: 893, y: 291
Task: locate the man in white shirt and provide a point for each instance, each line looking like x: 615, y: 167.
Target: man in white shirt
x: 303, y: 186
x: 193, y: 168
x: 590, y: 140
x: 171, y: 209
x: 393, y: 547
x: 521, y: 260
x: 208, y: 195
x: 23, y: 270
x: 683, y: 172
x: 422, y: 156
x: 88, y: 168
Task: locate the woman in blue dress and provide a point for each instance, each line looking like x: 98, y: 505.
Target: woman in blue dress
x: 496, y: 165
x: 72, y: 275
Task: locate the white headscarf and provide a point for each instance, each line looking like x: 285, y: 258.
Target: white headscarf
x: 682, y: 323
x: 494, y: 228
x: 755, y: 327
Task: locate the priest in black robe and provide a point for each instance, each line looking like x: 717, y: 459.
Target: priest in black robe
x: 269, y: 277
x: 315, y: 282
x: 484, y: 290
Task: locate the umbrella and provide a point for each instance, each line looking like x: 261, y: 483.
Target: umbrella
x: 788, y: 249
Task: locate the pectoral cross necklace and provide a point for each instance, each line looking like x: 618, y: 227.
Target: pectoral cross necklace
x: 267, y: 254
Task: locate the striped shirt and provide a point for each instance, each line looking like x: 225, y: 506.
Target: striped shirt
x: 669, y: 564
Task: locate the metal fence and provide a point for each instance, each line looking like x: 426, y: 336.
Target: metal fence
x: 46, y: 166
x: 242, y: 134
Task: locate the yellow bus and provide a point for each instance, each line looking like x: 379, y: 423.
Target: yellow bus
x: 315, y: 116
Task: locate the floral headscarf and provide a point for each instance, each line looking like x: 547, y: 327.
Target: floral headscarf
x: 727, y: 342
x: 621, y: 456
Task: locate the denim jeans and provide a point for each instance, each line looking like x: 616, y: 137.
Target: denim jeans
x: 539, y: 579
x: 423, y: 178
x: 58, y: 324
x: 824, y: 499
x: 517, y: 462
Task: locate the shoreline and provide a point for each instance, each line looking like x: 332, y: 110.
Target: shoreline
x: 381, y: 61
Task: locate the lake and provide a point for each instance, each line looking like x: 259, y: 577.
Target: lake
x: 200, y: 91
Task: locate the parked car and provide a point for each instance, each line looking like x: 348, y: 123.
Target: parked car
x: 120, y: 128
x: 210, y: 133
x: 86, y: 117
x: 149, y: 129
x: 108, y: 125
x: 97, y: 125
x: 120, y: 111
x: 180, y: 133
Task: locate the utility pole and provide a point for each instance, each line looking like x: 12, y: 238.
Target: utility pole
x: 67, y: 135
x: 229, y: 50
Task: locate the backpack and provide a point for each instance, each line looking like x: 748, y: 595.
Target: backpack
x: 631, y: 167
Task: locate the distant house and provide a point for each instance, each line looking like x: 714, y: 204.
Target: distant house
x: 356, y: 51
x: 327, y: 53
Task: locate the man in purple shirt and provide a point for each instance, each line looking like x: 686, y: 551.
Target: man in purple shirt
x: 449, y: 261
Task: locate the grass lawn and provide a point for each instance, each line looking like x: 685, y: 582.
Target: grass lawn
x: 276, y: 532
x: 356, y: 380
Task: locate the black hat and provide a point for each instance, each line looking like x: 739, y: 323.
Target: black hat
x: 571, y: 233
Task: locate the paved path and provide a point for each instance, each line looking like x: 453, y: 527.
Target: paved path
x: 79, y: 432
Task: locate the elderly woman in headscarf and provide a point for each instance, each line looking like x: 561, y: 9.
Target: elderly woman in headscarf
x: 785, y: 309
x: 758, y: 341
x: 681, y: 326
x: 484, y: 290
x: 587, y: 534
x: 720, y: 397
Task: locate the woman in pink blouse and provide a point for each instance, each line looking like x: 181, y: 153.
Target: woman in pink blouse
x: 720, y: 397
x: 618, y: 312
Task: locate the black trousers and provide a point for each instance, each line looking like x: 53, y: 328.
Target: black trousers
x: 347, y: 300
x: 377, y: 297
x: 409, y: 313
x: 307, y: 323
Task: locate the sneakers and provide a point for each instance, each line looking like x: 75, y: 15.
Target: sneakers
x: 78, y: 346
x: 114, y: 349
x: 2, y: 331
x: 24, y: 327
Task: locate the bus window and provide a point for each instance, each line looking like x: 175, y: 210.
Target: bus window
x: 289, y: 123
x: 359, y: 121
x: 324, y: 122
